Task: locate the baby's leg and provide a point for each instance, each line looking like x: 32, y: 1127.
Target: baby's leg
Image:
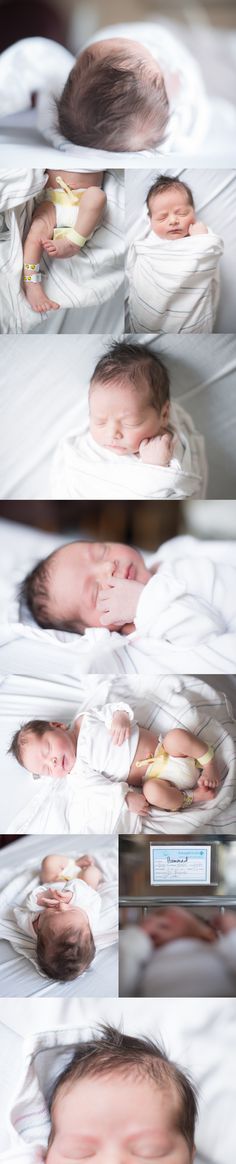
x: 162, y: 794
x: 43, y: 223
x: 92, y: 876
x: 180, y: 742
x: 89, y: 216
x: 52, y: 867
x: 147, y: 745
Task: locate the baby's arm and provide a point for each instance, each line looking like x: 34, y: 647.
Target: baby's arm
x: 136, y: 802
x: 158, y: 450
x: 179, y: 742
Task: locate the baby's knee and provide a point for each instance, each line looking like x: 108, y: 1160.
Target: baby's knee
x: 94, y: 199
x: 47, y: 868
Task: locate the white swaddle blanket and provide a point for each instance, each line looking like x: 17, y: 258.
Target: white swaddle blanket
x: 174, y: 284
x: 83, y: 469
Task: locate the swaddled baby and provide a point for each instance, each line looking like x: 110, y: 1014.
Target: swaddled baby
x: 173, y: 270
x: 173, y: 773
x: 61, y: 914
x: 130, y: 416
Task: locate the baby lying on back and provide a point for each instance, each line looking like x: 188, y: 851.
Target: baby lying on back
x: 130, y: 417
x: 169, y: 774
x: 70, y: 209
x: 61, y: 915
x: 173, y: 270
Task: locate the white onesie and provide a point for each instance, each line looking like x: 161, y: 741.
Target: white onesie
x: 83, y: 897
x: 95, y: 747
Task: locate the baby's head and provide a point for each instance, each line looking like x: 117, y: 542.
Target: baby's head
x: 114, y: 98
x: 143, y: 1106
x: 170, y: 207
x: 63, y: 589
x: 128, y: 398
x: 46, y: 749
x: 65, y: 945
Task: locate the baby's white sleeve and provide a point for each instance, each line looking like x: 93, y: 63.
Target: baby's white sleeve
x: 110, y: 710
x: 24, y: 920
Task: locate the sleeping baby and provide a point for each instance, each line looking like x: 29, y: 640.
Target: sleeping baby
x: 173, y: 269
x: 70, y: 209
x: 61, y: 915
x: 143, y: 1106
x: 130, y: 416
x: 183, y: 611
x: 173, y: 773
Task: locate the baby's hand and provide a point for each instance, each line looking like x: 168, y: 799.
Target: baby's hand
x: 117, y: 602
x: 136, y: 802
x: 85, y: 861
x: 120, y: 728
x: 198, y: 228
x: 52, y: 898
x: 157, y: 451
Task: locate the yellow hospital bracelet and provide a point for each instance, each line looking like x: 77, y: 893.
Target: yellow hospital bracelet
x: 204, y: 760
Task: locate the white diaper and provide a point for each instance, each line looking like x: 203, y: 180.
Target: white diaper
x: 71, y: 870
x: 65, y: 209
x: 181, y: 771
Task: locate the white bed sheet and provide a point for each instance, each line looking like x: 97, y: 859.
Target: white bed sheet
x: 17, y: 974
x: 200, y: 1038
x: 31, y: 806
x: 49, y: 393
x: 214, y: 193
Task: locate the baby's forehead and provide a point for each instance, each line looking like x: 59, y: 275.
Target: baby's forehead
x: 121, y: 382
x: 164, y: 194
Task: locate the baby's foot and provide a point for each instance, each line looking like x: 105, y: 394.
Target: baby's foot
x: 208, y: 782
x: 60, y: 248
x: 201, y: 794
x: 38, y: 300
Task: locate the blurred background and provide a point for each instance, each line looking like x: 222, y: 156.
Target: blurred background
x: 142, y: 523
x: 72, y: 22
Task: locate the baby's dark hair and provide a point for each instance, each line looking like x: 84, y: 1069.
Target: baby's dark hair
x: 38, y: 726
x: 63, y: 959
x: 164, y: 182
x: 105, y: 99
x: 135, y: 363
x: 110, y: 1050
x: 34, y: 592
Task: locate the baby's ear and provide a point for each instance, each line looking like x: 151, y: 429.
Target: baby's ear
x: 165, y: 410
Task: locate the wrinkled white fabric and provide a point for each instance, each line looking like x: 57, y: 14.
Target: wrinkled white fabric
x: 174, y: 284
x: 96, y: 750
x: 83, y: 469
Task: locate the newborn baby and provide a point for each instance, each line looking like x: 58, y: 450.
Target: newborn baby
x: 130, y: 416
x: 109, y: 741
x: 143, y: 1106
x: 173, y: 271
x: 71, y: 207
x: 61, y: 915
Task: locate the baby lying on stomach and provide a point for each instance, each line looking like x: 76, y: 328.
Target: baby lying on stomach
x: 173, y: 270
x: 61, y: 914
x: 131, y: 416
